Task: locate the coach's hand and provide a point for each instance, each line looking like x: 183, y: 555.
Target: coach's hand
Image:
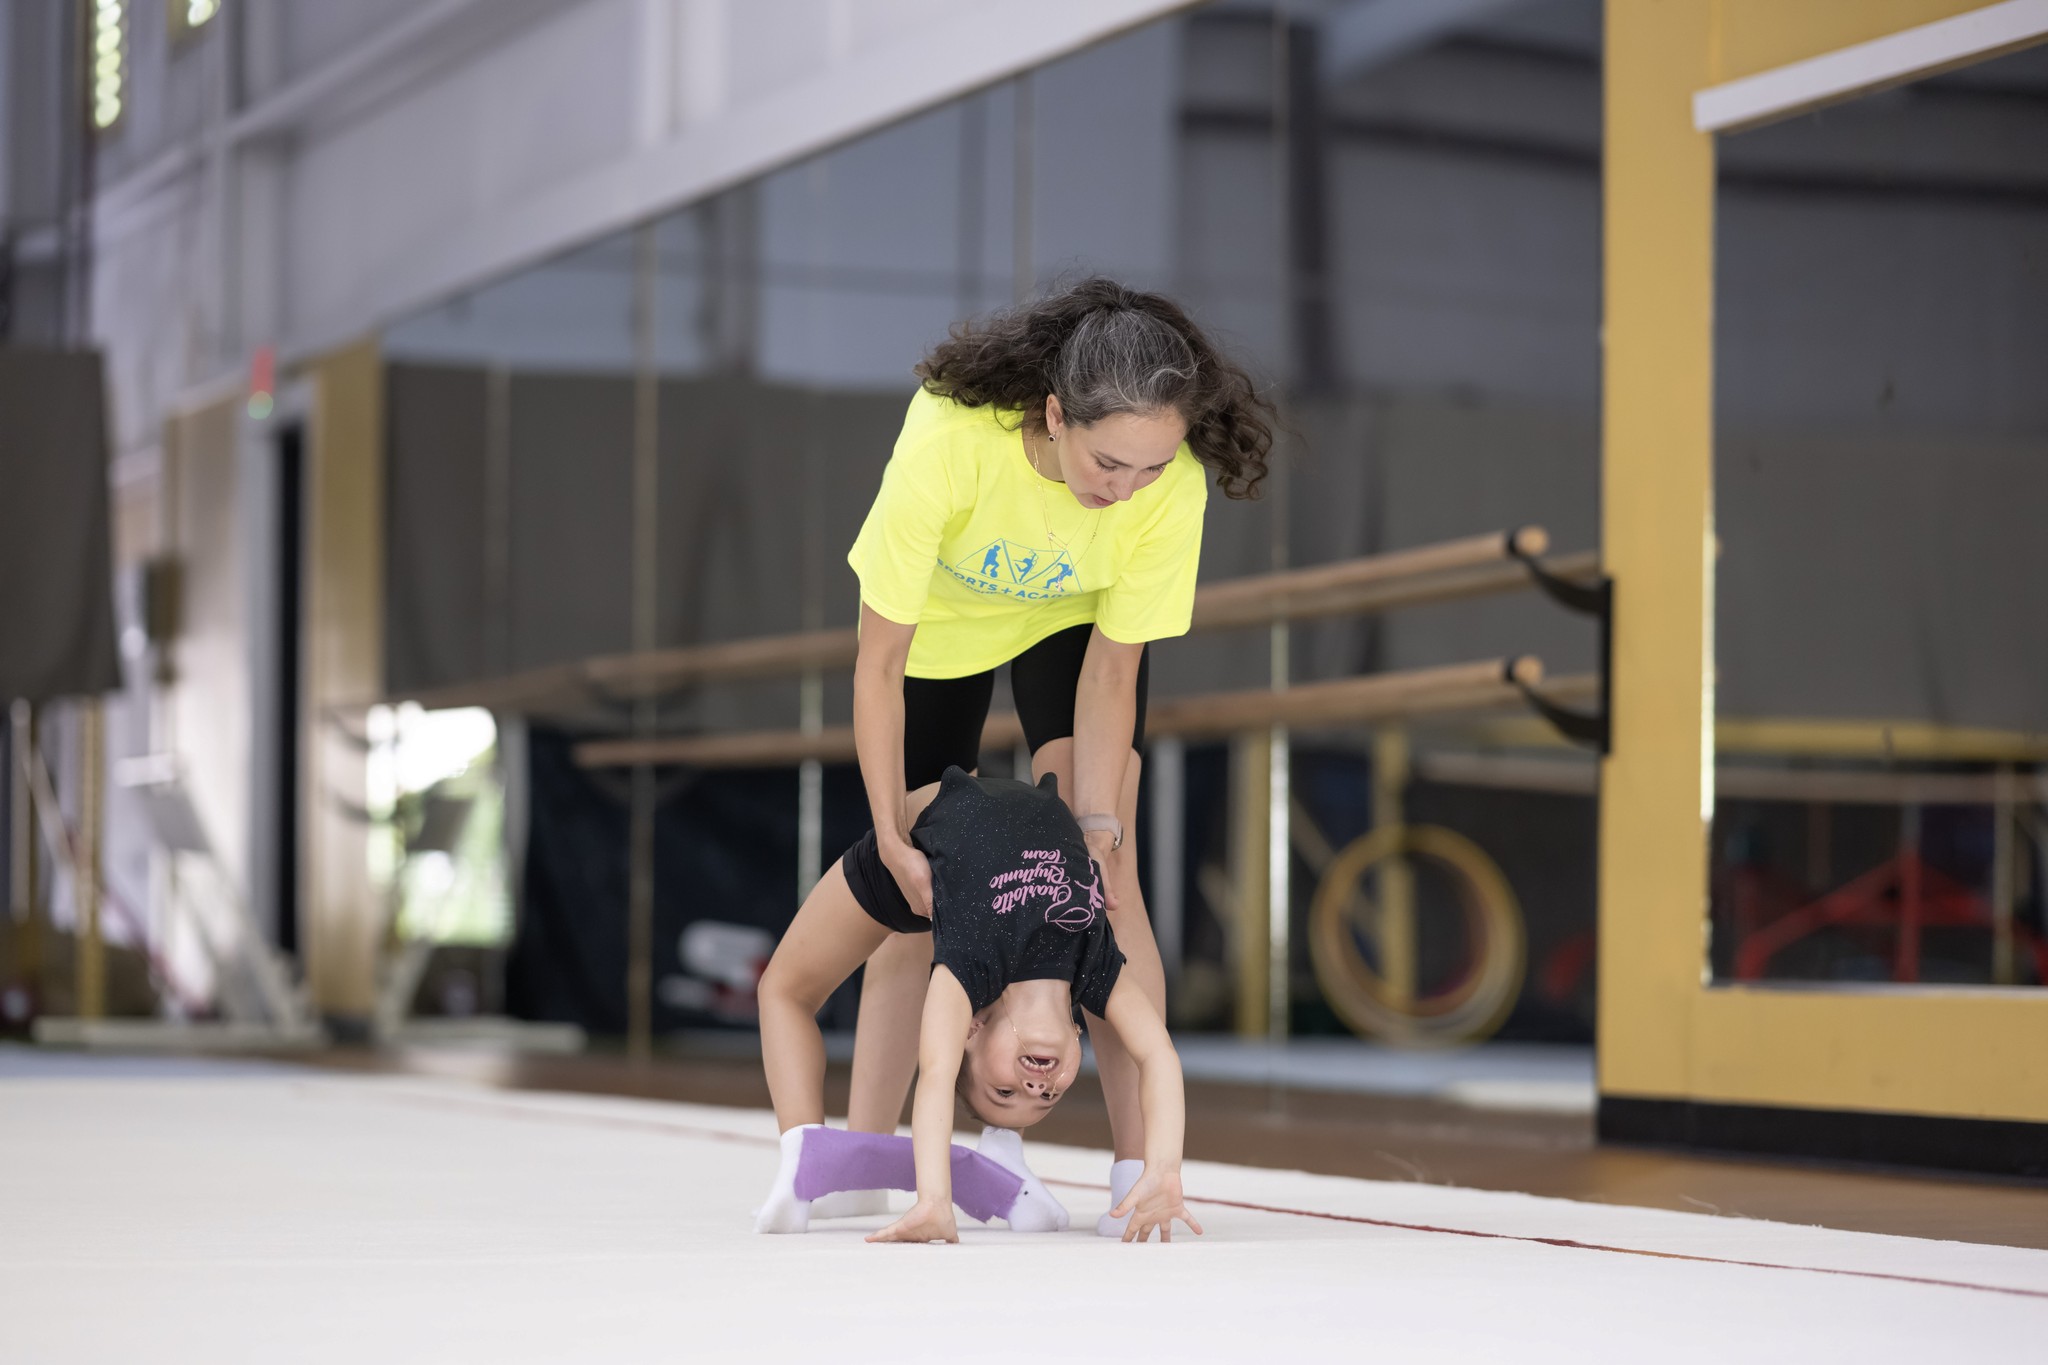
x: 912, y: 871
x: 1108, y: 861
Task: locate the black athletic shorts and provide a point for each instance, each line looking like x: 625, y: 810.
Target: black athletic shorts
x: 942, y: 723
x: 942, y: 717
x: 874, y: 886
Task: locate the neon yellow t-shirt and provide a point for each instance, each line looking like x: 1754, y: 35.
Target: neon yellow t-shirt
x: 986, y: 556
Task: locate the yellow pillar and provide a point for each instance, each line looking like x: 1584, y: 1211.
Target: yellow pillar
x: 26, y: 865
x: 344, y: 672
x: 1657, y: 533
x: 90, y: 951
x: 1396, y: 890
x: 1251, y: 788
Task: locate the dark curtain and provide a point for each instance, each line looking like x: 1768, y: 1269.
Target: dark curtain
x: 56, y: 554
x: 435, y: 498
x: 724, y: 889
x: 747, y: 470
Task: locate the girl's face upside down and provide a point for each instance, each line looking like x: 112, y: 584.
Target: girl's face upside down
x: 1022, y: 1053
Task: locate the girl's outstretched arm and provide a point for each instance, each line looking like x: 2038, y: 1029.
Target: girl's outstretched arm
x: 1156, y: 1200
x: 947, y: 1016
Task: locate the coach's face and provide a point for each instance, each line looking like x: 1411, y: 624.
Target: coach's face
x: 1107, y: 462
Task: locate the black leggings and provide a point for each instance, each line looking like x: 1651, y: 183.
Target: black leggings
x: 942, y: 717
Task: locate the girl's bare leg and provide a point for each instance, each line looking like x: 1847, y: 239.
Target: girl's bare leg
x: 891, y: 1007
x: 830, y: 936
x: 1133, y: 929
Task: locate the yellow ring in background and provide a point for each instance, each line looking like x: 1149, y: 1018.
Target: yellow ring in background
x: 1359, y: 995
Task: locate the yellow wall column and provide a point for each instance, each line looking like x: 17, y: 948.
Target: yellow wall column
x: 90, y: 949
x: 1665, y: 1032
x: 1251, y: 789
x: 209, y: 696
x: 344, y: 667
x: 1656, y: 536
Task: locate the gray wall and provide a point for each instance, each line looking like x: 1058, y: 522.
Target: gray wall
x: 1883, y: 306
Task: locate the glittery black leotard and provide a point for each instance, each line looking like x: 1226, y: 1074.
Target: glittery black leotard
x: 1015, y: 896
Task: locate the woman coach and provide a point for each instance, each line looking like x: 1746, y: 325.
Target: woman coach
x: 1043, y: 510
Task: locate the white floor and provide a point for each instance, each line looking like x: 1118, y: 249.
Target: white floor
x: 1532, y: 1076
x: 1552, y: 1077
x: 213, y: 1214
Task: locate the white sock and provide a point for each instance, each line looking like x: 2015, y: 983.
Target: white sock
x: 1122, y: 1175
x: 1035, y: 1210
x: 783, y: 1211
x: 850, y: 1204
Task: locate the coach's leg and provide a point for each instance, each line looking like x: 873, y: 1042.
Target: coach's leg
x: 885, y: 1035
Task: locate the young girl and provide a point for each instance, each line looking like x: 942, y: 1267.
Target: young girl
x: 1020, y: 944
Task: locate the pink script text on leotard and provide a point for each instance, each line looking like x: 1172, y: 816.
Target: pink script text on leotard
x: 1043, y: 881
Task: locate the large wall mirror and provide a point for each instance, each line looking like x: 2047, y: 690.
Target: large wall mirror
x: 1881, y: 501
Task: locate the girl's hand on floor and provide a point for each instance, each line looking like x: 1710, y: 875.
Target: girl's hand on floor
x: 913, y: 874
x: 1155, y: 1202
x: 924, y: 1223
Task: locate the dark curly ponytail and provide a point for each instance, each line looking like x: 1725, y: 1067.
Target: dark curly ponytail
x: 1106, y: 349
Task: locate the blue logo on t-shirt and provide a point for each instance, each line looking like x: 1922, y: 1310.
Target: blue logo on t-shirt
x: 1006, y: 569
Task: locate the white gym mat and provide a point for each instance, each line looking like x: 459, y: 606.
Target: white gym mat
x: 265, y: 1215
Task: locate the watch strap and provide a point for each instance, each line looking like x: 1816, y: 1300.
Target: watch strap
x: 1108, y: 823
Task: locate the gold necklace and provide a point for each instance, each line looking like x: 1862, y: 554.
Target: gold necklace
x: 1060, y: 542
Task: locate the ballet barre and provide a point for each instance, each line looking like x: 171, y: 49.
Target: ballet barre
x: 1475, y: 566
x: 1369, y: 699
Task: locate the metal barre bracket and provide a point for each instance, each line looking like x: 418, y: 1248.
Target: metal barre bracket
x: 1593, y: 728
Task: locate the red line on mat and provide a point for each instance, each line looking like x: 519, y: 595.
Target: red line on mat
x: 1574, y: 1245
x: 1567, y: 1243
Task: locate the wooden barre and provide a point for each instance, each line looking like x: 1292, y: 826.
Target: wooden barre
x: 634, y: 675
x: 1266, y: 591
x: 1378, y: 696
x: 1743, y: 782
x: 1471, y: 567
x: 738, y: 749
x: 765, y: 656
x: 1381, y: 696
x: 1433, y: 574
x: 1430, y: 573
x: 513, y: 692
x: 1358, y: 599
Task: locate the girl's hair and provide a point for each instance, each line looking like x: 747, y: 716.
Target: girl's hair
x: 1106, y: 349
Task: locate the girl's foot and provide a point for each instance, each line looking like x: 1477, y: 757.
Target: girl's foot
x: 1035, y: 1210
x: 783, y: 1211
x: 851, y: 1204
x: 1122, y: 1176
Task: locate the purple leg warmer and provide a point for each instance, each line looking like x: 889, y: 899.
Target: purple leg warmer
x: 834, y: 1159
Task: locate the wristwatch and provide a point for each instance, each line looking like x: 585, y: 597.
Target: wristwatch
x: 1091, y: 823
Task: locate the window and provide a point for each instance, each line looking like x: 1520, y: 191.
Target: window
x: 187, y: 17
x: 109, y: 61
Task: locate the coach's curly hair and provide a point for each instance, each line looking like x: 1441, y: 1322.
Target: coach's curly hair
x: 1105, y: 349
